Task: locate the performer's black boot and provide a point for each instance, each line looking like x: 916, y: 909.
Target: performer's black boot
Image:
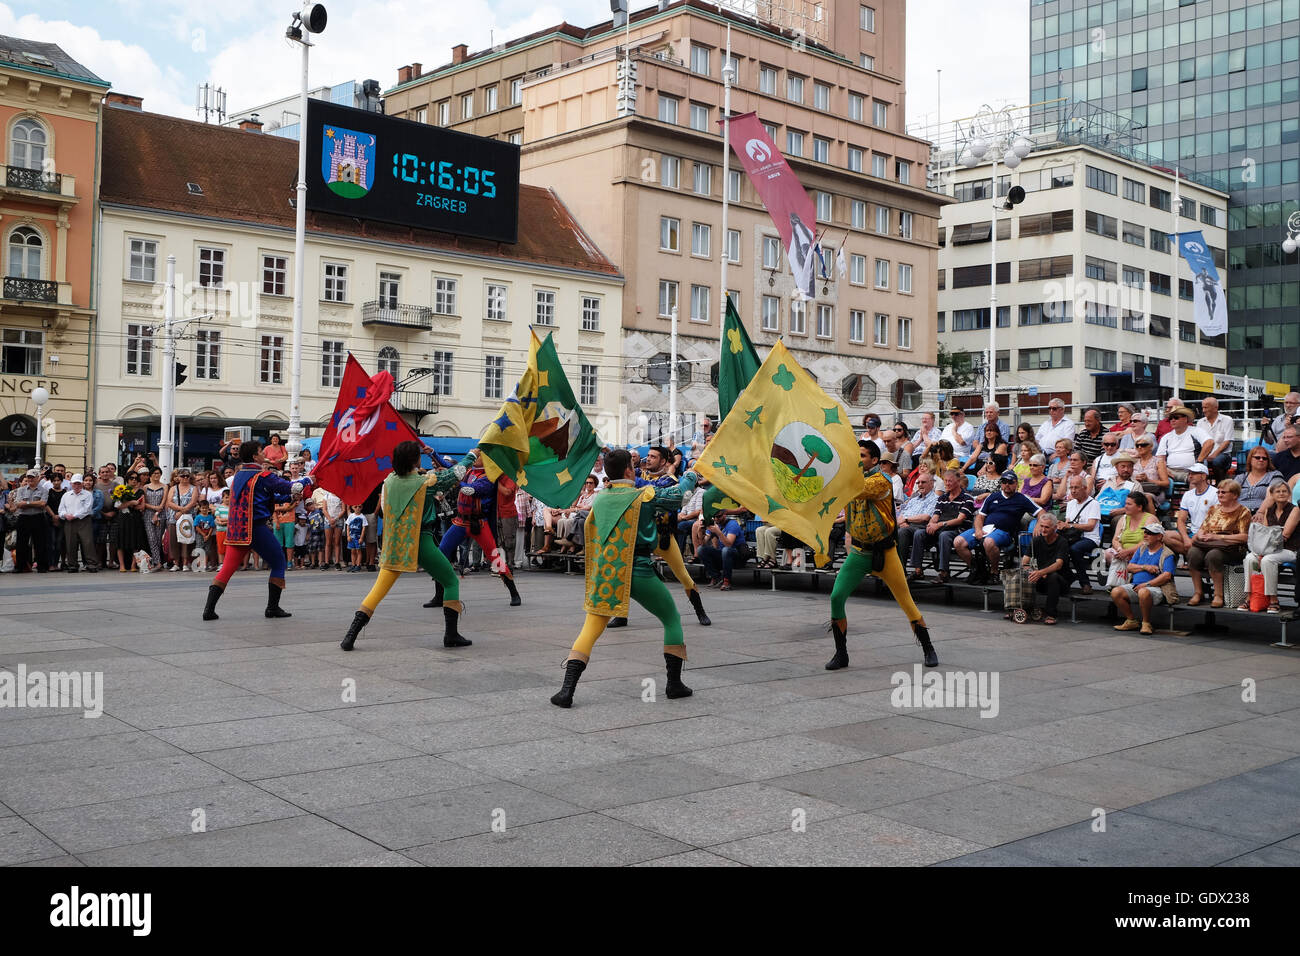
x: 273, y: 609
x: 698, y: 603
x: 214, y: 595
x: 437, y: 595
x: 451, y: 637
x: 840, y: 631
x: 675, y: 688
x: 359, y: 620
x: 923, y: 638
x: 617, y: 622
x: 515, y: 599
x: 572, y: 671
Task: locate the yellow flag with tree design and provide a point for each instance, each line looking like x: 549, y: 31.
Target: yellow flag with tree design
x: 787, y: 453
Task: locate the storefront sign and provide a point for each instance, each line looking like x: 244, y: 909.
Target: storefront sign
x: 24, y: 386
x: 1231, y: 386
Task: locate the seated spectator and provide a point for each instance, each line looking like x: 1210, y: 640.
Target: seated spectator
x: 724, y: 549
x: 766, y: 538
x: 1124, y: 412
x: 1111, y: 493
x: 923, y: 467
x: 1051, y: 577
x: 1038, y: 487
x: 1024, y: 433
x: 1181, y: 446
x: 896, y: 443
x: 1081, y: 527
x: 1278, y: 510
x: 1271, y: 425
x: 1088, y: 439
x: 1197, y: 501
x: 1166, y: 424
x: 572, y: 521
x: 989, y: 478
x: 1150, y: 570
x: 913, y: 518
x: 1103, y: 466
x: 1286, y: 455
x: 1059, y: 460
x: 1003, y: 510
x: 990, y: 442
x: 889, y: 468
x: 1146, y: 468
x: 918, y: 446
x: 1220, y: 540
x: 1256, y: 483
x: 959, y: 434
x: 1127, y: 535
x: 953, y: 511
x: 941, y: 457
x: 1027, y: 451
x: 691, y: 511
x: 1075, y: 465
x: 1056, y: 426
x: 1137, y: 427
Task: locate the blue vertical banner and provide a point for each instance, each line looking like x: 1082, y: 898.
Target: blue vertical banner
x: 1209, y: 296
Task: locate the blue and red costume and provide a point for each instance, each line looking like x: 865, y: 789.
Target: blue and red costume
x: 475, y: 504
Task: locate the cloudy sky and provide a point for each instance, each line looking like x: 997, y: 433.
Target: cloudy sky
x: 162, y: 49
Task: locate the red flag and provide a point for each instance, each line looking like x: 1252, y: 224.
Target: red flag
x: 356, y: 452
x: 782, y: 194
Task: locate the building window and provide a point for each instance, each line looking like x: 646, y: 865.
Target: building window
x: 856, y: 106
x: 793, y: 143
x: 1139, y: 79
x: 1160, y: 241
x: 494, y: 376
x: 667, y: 298
x: 904, y: 278
x: 699, y: 60
x: 333, y: 358
x: 1099, y: 225
x: 1135, y: 191
x: 496, y: 303
x: 389, y: 361
x: 798, y: 318
x: 1161, y: 199
x: 866, y: 61
x: 1103, y: 270
x: 904, y: 333
x: 881, y: 330
x: 27, y: 144
x: 139, y: 349
x: 903, y: 171
x: 771, y: 252
x: 1099, y: 360
x: 905, y: 226
x: 733, y: 185
x: 389, y: 286
x: 207, y: 354
x: 879, y: 114
x: 858, y: 214
x: 824, y: 205
x: 1095, y: 313
x: 939, y: 322
x: 734, y: 296
x: 825, y: 321
x: 467, y: 106
x: 1042, y: 224
x: 1134, y: 234
x: 821, y: 96
x: 275, y: 270
x: 699, y: 117
x: 733, y: 245
x: 1187, y: 331
x: 882, y: 220
x: 444, y: 296
x: 770, y: 130
x: 867, y: 18
x: 335, y: 281
x: 855, y: 159
x: 1160, y: 283
x: 441, y: 379
x: 882, y: 273
x: 1101, y: 180
x: 732, y: 64
x: 767, y: 80
x: 516, y: 90
x: 1045, y: 358
x: 587, y: 385
x: 794, y: 88
x: 821, y: 150
x: 669, y: 234
x: 699, y: 303
x: 444, y: 113
x: 667, y: 108
x: 879, y: 165
x: 702, y: 184
x: 271, y: 360
x: 212, y: 268
x: 489, y: 99
x: 545, y: 311
x: 1135, y: 278
x: 143, y: 266
x: 700, y: 239
x: 771, y: 314
x: 670, y: 172
x: 858, y: 269
x: 857, y: 326
x: 591, y: 313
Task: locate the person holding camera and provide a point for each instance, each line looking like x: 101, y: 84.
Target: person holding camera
x: 725, y: 549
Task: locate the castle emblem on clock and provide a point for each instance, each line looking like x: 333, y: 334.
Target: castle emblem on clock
x: 348, y: 161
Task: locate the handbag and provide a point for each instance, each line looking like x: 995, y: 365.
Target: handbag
x: 1258, y: 599
x: 1234, y: 586
x: 1264, y: 539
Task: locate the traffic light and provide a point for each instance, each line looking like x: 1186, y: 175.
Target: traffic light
x: 180, y: 373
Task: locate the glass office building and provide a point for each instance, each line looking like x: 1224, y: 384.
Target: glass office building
x: 1211, y: 87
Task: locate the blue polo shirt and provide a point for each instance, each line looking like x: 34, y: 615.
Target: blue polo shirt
x: 1004, y: 512
x: 1143, y: 556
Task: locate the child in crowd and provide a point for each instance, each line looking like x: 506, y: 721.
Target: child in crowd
x: 316, y: 534
x: 356, y: 534
x: 301, y: 531
x: 284, y: 528
x: 221, y: 516
x: 205, y: 530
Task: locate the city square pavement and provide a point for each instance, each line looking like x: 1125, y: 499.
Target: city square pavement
x: 247, y: 741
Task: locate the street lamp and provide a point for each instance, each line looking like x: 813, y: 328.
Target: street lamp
x: 311, y: 19
x: 993, y: 132
x: 1292, y: 240
x: 40, y: 396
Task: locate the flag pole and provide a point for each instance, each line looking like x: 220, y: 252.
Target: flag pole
x: 726, y: 181
x: 1176, y: 331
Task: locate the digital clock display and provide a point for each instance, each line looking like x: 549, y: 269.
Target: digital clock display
x: 369, y: 166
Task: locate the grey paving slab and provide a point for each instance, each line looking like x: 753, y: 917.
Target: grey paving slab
x: 1261, y: 807
x: 1276, y: 733
x: 1201, y: 752
x: 451, y: 736
x: 299, y: 756
x: 814, y: 714
x: 62, y: 726
x: 989, y: 814
x: 1093, y: 734
x: 631, y: 781
x: 1112, y: 782
x: 227, y: 734
x: 82, y: 786
x: 892, y: 735
x: 993, y: 756
x: 1266, y: 856
x: 149, y: 715
x: 859, y: 839
x: 20, y: 842
x: 691, y: 858
x: 877, y: 782
x: 1156, y: 685
x: 55, y: 861
x: 685, y: 734
x: 589, y: 839
x: 548, y: 755
x: 320, y: 790
x: 82, y: 752
x: 774, y: 756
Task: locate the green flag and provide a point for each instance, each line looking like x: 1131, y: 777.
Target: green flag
x: 542, y: 439
x: 738, y: 363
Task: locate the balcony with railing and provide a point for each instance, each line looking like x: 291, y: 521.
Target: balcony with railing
x: 39, y: 184
x: 406, y: 400
x: 31, y: 290
x: 399, y: 315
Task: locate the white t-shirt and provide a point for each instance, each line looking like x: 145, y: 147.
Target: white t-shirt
x: 1179, y: 451
x: 1196, y: 505
x: 1048, y: 434
x: 1220, y: 431
x: 959, y: 437
x: 1105, y: 470
x: 899, y: 494
x: 1081, y: 512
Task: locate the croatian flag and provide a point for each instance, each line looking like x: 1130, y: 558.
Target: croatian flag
x: 356, y: 452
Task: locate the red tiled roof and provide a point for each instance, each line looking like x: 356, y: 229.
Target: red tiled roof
x: 148, y: 159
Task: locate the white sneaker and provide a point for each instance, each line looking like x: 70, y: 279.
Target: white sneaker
x: 173, y: 569
x: 186, y: 568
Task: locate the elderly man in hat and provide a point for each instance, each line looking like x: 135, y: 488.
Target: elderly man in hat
x: 1148, y: 571
x: 76, y: 512
x: 1181, y: 447
x: 27, y: 504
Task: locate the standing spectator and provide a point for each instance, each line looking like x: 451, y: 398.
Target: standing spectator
x: 370, y: 508
x: 27, y: 505
x: 724, y: 549
x: 229, y: 455
x: 523, y: 508
x: 1149, y: 571
x: 333, y: 508
x: 182, y: 499
x: 316, y: 534
x: 76, y: 511
x: 1166, y: 425
x: 508, y: 519
x: 1088, y: 439
x: 1278, y: 510
x: 918, y: 446
x: 130, y: 522
x: 1260, y: 475
x: 1286, y: 456
x: 213, y: 486
x: 108, y: 513
x: 356, y: 528
x: 205, y: 533
x: 285, y: 528
x: 1056, y: 426
x: 913, y: 518
x: 1002, y: 510
x: 1196, y: 503
x: 1220, y: 540
x: 991, y: 417
x: 1181, y: 447
x: 308, y: 463
x: 53, y: 495
x: 154, y: 515
x: 1081, y: 527
x: 221, y: 516
x: 959, y: 434
x: 1051, y: 577
x: 952, y: 512
x: 275, y: 453
x: 1271, y: 425
x: 1216, y: 448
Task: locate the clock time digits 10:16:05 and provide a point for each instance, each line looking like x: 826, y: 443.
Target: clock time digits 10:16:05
x: 444, y: 175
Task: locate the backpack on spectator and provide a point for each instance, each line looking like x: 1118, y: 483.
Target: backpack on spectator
x: 1168, y: 589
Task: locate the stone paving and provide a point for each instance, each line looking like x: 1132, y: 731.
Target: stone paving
x: 457, y: 756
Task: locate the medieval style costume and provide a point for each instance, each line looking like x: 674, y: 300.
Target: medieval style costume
x: 475, y: 504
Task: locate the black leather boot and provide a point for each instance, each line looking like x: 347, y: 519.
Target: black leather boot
x: 698, y: 603
x: 451, y: 637
x: 840, y: 631
x: 572, y: 671
x: 515, y: 599
x: 617, y: 622
x: 437, y: 595
x: 273, y: 609
x: 359, y: 620
x: 675, y: 688
x: 923, y: 638
x: 214, y: 595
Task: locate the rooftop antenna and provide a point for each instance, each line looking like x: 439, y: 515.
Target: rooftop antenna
x: 211, y: 101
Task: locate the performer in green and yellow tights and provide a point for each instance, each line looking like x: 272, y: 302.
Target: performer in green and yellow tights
x: 620, y: 537
x: 410, y: 541
x: 872, y: 529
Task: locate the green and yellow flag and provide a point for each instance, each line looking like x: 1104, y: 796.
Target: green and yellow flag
x: 542, y: 439
x: 738, y: 362
x: 787, y: 453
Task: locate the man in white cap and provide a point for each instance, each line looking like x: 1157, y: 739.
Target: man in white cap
x: 28, y: 505
x: 1197, y: 500
x: 1148, y: 570
x: 76, y: 511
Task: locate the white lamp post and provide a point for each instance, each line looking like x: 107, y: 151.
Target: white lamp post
x: 1292, y: 240
x: 40, y: 396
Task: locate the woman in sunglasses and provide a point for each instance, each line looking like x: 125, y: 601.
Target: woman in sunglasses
x: 1260, y: 473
